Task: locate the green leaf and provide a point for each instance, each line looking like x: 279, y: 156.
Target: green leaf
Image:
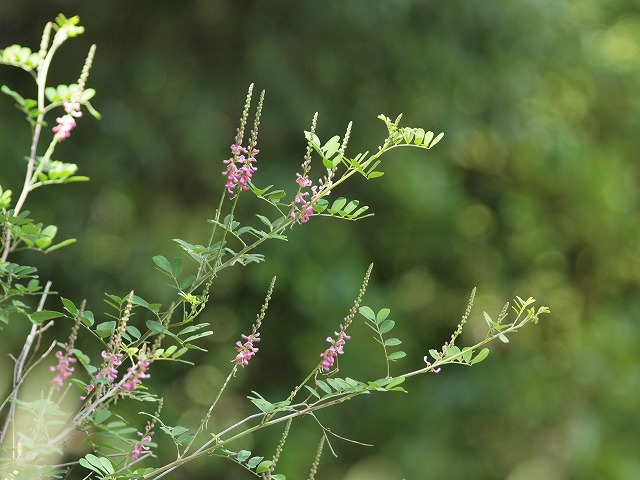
x: 136, y: 300
x: 466, y: 354
x: 351, y: 206
x: 155, y: 327
x: 313, y: 392
x: 64, y: 243
x: 87, y: 318
x: 105, y: 329
x: 101, y: 415
x: 15, y: 95
x: 323, y: 386
x: 176, y: 266
x: 395, y: 382
x: 100, y: 465
x: 367, y: 313
x: 192, y: 328
x: 187, y: 281
x: 261, y: 403
x: 331, y: 147
x: 133, y: 331
x: 184, y: 438
x: 199, y: 335
x: 243, y: 455
x: 264, y: 466
x: 481, y: 356
x: 39, y: 317
x: 265, y: 220
x: 162, y: 263
x: 451, y: 351
x: 254, y: 462
x: 391, y: 342
x: 387, y: 326
x: 436, y: 140
x: 169, y: 351
x: 427, y: 138
x: 180, y: 352
x: 487, y: 318
x: 338, y: 204
x: 396, y: 355
x: 178, y: 430
x: 503, y: 338
x: 382, y: 315
x: 106, y: 463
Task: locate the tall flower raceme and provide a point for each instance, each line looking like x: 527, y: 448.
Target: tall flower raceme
x: 247, y: 349
x: 302, y: 205
x: 138, y: 448
x: 63, y: 369
x: 65, y: 357
x: 112, y: 358
x: 240, y: 167
x: 66, y: 123
x: 338, y: 342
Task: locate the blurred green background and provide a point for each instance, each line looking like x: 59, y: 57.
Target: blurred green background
x: 533, y: 191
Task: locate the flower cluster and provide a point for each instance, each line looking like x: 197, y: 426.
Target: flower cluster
x: 108, y: 373
x: 110, y: 370
x: 67, y: 122
x: 136, y: 374
x: 305, y: 208
x: 336, y: 348
x: 337, y: 344
x: 240, y: 167
x: 63, y: 369
x: 246, y: 350
x: 138, y: 448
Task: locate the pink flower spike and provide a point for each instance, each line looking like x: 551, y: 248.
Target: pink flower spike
x: 246, y: 350
x: 138, y: 448
x: 63, y: 368
x: 337, y: 348
x: 135, y: 375
x: 110, y: 371
x: 240, y: 169
x: 66, y: 123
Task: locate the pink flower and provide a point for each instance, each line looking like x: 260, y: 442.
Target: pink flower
x: 336, y: 348
x: 303, y: 208
x: 110, y: 371
x: 246, y: 350
x: 240, y: 168
x: 90, y: 389
x: 138, y: 448
x: 63, y: 369
x: 135, y: 375
x: 67, y: 122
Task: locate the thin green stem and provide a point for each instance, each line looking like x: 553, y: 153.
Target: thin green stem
x: 205, y: 420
